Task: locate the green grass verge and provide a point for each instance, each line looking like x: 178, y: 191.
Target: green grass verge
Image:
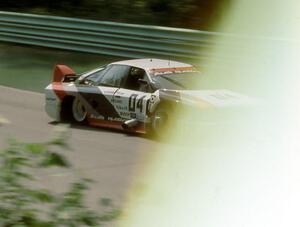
x: 30, y: 68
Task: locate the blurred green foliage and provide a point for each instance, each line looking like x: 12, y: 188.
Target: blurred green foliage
x: 196, y: 14
x: 22, y: 204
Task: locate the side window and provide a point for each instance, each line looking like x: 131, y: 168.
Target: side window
x: 132, y: 81
x: 115, y: 76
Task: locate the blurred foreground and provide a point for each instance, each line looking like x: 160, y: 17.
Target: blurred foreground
x: 245, y: 173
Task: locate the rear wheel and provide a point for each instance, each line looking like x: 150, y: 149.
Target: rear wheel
x: 79, y: 111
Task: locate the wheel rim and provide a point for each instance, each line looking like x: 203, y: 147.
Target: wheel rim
x: 79, y: 111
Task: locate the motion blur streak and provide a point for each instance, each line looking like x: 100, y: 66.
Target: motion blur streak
x: 245, y: 172
x: 3, y: 121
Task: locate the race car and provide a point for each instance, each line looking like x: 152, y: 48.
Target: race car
x: 138, y: 95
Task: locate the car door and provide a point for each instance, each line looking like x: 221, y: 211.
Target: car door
x: 132, y: 99
x: 98, y: 92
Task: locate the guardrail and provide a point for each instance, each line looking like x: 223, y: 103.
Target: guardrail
x: 127, y: 40
x: 101, y: 37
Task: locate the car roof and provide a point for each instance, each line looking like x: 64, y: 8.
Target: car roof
x: 152, y: 63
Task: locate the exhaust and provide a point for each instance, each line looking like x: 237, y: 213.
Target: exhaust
x: 129, y: 124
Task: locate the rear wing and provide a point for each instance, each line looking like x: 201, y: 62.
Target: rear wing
x: 63, y: 73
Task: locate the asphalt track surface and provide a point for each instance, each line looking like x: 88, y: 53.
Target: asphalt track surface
x: 113, y: 159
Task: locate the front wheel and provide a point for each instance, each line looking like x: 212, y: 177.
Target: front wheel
x: 160, y: 122
x: 79, y: 111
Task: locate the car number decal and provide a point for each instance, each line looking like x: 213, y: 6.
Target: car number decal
x: 137, y: 103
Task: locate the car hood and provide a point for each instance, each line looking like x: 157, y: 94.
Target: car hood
x: 207, y: 98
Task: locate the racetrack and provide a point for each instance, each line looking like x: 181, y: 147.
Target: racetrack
x: 111, y: 158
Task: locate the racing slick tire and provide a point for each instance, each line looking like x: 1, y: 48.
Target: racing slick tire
x: 160, y: 122
x: 79, y: 111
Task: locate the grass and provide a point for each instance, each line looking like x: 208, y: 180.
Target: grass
x: 30, y: 68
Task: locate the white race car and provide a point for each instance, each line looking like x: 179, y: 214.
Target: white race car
x: 135, y: 95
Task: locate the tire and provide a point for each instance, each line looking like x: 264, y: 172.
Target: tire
x: 160, y: 122
x: 79, y: 112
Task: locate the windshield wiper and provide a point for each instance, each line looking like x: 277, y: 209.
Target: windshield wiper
x: 87, y: 81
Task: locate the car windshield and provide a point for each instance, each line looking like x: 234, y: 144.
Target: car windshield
x: 177, y: 81
x: 94, y: 76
